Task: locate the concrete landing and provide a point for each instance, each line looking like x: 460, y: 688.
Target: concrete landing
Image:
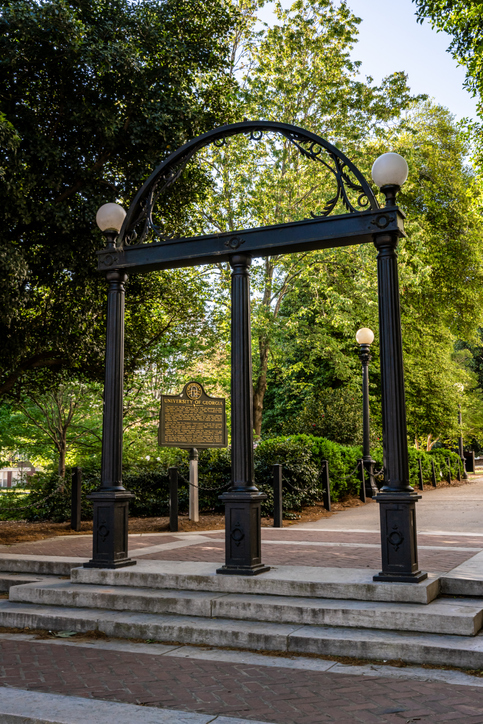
x: 306, y: 581
x: 466, y: 579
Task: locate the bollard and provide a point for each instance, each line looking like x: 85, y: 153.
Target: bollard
x: 470, y: 461
x: 326, y: 484
x: 362, y: 493
x: 420, y: 475
x: 75, y: 509
x: 277, y: 497
x: 449, y: 470
x: 173, y: 499
x: 433, y: 474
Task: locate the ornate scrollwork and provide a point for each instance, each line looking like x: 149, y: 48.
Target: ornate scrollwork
x: 139, y: 222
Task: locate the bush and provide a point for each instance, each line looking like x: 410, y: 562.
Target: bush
x: 301, y: 456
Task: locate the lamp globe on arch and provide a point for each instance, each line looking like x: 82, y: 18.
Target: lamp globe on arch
x: 390, y: 169
x: 110, y: 217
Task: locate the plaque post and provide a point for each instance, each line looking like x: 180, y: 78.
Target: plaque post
x: 243, y: 554
x: 194, y: 512
x: 111, y: 500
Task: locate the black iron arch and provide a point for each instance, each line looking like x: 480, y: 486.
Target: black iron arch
x: 138, y: 222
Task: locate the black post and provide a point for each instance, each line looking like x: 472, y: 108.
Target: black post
x: 111, y: 500
x: 368, y: 463
x: 433, y: 475
x: 458, y: 474
x: 397, y: 498
x: 470, y: 461
x: 277, y: 497
x: 362, y: 491
x: 325, y: 484
x: 420, y: 475
x: 448, y: 462
x: 173, y: 499
x: 75, y: 510
x: 243, y: 550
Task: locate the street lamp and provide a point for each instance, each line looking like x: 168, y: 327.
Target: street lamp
x: 365, y: 337
x: 111, y: 499
x: 397, y: 499
x: 460, y: 387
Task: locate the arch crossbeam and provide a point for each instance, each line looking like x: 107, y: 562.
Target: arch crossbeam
x: 329, y: 232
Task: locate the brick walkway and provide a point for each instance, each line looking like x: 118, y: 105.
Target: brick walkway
x: 278, y: 695
x: 277, y: 549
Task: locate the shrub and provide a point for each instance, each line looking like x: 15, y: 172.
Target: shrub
x: 300, y: 455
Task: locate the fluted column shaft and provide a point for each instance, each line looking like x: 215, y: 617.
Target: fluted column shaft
x: 111, y: 465
x: 395, y: 442
x: 242, y: 469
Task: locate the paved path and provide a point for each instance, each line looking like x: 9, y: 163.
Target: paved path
x: 450, y: 509
x: 249, y: 690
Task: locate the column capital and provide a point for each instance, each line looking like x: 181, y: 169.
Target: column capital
x: 242, y: 261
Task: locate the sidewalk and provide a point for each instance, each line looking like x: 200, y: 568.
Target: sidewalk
x: 237, y: 684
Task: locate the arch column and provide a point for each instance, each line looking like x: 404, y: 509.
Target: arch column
x: 397, y: 499
x: 111, y: 500
x: 243, y: 501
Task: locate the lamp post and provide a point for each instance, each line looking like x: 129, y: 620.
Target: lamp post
x: 111, y: 500
x: 461, y: 451
x: 397, y: 499
x: 365, y: 337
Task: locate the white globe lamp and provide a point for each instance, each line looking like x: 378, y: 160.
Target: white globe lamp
x: 365, y: 336
x: 110, y: 218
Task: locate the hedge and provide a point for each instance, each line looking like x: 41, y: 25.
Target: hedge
x: 301, y: 457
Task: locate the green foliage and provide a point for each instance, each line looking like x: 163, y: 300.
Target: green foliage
x: 94, y: 95
x: 301, y: 456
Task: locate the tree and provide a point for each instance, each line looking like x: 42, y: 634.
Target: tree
x: 299, y: 72
x: 441, y: 282
x: 463, y: 19
x: 46, y: 427
x: 93, y: 95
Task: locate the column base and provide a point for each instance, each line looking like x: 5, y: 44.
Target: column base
x: 399, y: 549
x: 110, y: 530
x: 243, y: 570
x: 243, y: 550
x: 392, y: 578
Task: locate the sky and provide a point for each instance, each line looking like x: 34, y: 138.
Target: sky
x: 390, y: 40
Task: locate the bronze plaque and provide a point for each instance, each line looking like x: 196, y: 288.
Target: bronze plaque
x: 192, y: 419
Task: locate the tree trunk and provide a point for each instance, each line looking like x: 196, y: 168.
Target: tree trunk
x: 62, y: 451
x: 260, y: 386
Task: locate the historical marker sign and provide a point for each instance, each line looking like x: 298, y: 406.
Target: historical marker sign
x: 192, y: 419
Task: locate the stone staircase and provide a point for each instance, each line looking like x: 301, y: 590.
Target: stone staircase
x: 298, y: 610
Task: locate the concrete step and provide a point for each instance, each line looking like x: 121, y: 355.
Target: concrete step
x: 39, y: 565
x: 437, y: 649
x: 458, y: 617
x: 7, y: 580
x: 304, y: 581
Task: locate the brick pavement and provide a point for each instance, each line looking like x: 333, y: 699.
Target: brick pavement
x: 300, y: 555
x: 284, y: 554
x: 271, y: 694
